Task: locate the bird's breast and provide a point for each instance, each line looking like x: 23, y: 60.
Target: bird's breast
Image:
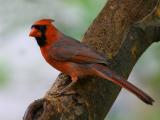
x: 66, y: 67
x: 63, y: 66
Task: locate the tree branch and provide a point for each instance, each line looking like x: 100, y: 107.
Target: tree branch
x: 123, y: 32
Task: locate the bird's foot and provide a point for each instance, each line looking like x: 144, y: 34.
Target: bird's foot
x: 63, y: 93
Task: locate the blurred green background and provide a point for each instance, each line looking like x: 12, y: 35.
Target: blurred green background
x: 22, y: 66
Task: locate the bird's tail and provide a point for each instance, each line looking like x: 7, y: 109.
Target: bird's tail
x: 106, y: 73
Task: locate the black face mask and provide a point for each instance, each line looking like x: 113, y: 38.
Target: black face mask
x: 41, y: 40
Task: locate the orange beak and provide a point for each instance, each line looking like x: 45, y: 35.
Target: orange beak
x: 35, y: 33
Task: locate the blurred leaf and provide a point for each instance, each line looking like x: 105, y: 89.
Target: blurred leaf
x: 4, y: 75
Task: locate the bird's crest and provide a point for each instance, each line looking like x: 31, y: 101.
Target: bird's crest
x: 44, y: 22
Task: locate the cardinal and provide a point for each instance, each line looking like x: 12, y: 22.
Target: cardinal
x: 76, y: 59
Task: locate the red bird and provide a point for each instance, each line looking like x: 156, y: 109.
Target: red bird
x: 75, y: 58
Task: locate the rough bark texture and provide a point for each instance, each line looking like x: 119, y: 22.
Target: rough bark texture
x: 123, y: 31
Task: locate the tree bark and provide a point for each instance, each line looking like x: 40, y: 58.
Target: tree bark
x: 123, y: 30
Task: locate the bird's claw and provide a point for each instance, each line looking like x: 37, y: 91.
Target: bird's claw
x: 62, y: 93
x: 58, y: 94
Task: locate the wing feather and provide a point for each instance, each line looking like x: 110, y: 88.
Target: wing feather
x: 71, y: 50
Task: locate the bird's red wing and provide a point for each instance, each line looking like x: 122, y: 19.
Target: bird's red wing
x: 74, y: 51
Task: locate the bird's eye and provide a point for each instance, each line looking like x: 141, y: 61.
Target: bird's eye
x: 41, y: 28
